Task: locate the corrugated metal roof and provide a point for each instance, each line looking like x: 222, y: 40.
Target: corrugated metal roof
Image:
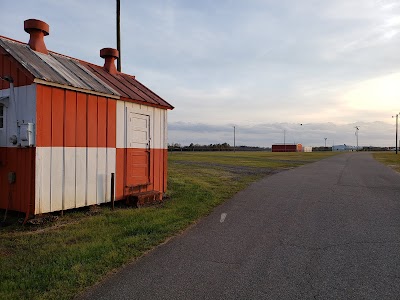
x: 127, y: 86
x: 59, y: 69
x: 50, y: 68
x: 84, y: 75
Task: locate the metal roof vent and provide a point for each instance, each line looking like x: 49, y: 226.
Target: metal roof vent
x: 37, y: 30
x: 109, y: 55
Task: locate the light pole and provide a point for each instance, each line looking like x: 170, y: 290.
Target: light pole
x: 397, y: 126
x: 357, y: 129
x: 325, y: 142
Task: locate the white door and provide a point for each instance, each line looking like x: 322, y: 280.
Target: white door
x: 138, y: 149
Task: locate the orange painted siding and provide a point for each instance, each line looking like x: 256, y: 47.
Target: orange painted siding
x: 70, y: 119
x: 127, y: 177
x: 22, y: 162
x: 5, y: 69
x: 92, y: 121
x: 155, y: 162
x: 81, y: 120
x: 22, y: 79
x: 57, y: 117
x: 101, y: 122
x: 14, y: 74
x: 137, y: 167
x: 165, y: 168
x: 111, y: 123
x: 43, y: 116
x: 9, y: 67
x: 120, y: 174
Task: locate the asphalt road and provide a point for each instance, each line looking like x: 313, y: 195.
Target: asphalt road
x: 328, y: 230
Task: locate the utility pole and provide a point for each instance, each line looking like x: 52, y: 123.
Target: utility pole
x: 119, y: 34
x: 284, y: 139
x: 325, y: 142
x: 397, y: 126
x: 234, y: 139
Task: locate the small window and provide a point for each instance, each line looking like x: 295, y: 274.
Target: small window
x: 1, y: 116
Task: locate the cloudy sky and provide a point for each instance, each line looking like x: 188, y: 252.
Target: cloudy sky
x: 263, y: 66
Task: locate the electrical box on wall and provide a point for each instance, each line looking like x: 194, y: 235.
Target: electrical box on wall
x: 27, y: 135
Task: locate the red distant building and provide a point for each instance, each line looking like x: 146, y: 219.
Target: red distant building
x: 287, y: 148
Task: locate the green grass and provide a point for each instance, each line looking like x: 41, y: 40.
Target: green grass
x: 57, y: 260
x: 391, y: 159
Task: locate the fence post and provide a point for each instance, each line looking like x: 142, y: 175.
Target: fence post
x: 112, y: 191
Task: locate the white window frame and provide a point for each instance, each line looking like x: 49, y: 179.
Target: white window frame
x: 4, y: 101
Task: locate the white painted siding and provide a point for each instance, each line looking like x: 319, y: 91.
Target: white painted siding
x: 157, y: 123
x: 157, y: 134
x: 111, y: 160
x: 91, y: 179
x: 101, y: 175
x: 69, y: 177
x: 120, y: 124
x: 20, y: 106
x: 56, y: 179
x: 165, y: 144
x: 80, y: 185
x: 42, y: 180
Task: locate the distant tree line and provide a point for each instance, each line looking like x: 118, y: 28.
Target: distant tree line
x: 214, y: 147
x: 227, y: 147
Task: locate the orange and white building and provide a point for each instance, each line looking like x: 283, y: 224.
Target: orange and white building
x: 66, y: 125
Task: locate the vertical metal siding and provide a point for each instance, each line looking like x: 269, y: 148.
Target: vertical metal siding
x: 22, y: 162
x: 92, y: 121
x: 120, y: 173
x: 57, y: 117
x: 101, y: 175
x: 81, y: 170
x: 9, y: 67
x: 101, y: 122
x: 157, y: 152
x: 56, y: 178
x: 5, y: 70
x: 43, y: 180
x: 69, y: 194
x: 43, y: 116
x: 81, y: 120
x: 76, y: 155
x: 17, y: 159
x: 111, y: 123
x: 111, y: 168
x: 70, y: 117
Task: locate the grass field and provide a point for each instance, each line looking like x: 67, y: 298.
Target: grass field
x: 391, y: 159
x: 59, y: 259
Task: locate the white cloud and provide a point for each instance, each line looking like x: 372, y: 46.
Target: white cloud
x: 377, y: 95
x: 229, y: 62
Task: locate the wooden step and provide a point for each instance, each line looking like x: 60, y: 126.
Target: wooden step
x: 148, y: 198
